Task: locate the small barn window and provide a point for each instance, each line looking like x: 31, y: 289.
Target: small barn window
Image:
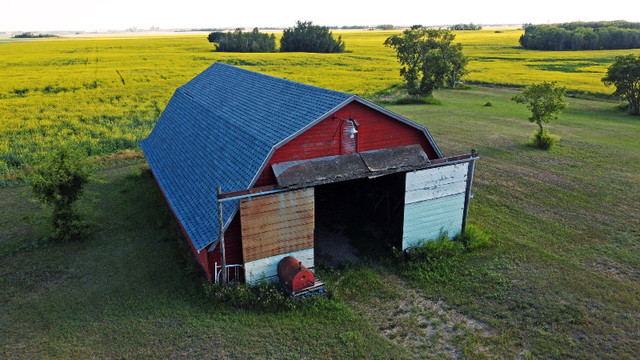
x: 349, y: 137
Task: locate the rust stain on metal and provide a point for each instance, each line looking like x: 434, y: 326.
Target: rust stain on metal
x: 277, y: 223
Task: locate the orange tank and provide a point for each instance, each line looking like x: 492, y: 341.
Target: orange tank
x: 294, y: 275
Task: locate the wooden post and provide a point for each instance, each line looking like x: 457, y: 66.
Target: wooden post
x: 221, y: 224
x: 467, y: 193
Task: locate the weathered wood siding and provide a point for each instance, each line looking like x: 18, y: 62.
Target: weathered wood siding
x: 267, y: 268
x: 376, y: 131
x: 277, y: 224
x: 434, y: 203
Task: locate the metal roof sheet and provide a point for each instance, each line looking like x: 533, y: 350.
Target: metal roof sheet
x: 302, y: 173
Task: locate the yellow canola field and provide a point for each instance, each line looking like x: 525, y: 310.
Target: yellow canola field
x: 104, y: 94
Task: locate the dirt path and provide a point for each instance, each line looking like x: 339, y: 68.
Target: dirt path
x: 428, y: 329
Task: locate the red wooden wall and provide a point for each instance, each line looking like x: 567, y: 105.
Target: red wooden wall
x: 376, y: 131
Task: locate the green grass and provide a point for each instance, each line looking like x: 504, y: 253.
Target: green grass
x: 133, y: 290
x: 562, y: 280
x: 559, y: 278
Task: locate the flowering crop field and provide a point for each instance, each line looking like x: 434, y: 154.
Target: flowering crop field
x: 104, y: 94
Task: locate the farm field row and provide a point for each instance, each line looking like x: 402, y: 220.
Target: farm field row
x: 104, y: 94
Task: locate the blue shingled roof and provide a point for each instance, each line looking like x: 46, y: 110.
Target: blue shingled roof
x: 220, y: 129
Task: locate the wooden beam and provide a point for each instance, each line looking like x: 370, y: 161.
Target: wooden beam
x: 244, y: 193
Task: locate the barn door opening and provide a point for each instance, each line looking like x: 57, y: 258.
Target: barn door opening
x: 349, y: 142
x: 358, y: 217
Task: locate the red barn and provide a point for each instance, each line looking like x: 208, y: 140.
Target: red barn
x: 289, y: 156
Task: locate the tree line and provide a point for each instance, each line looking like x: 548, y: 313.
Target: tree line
x: 603, y: 35
x: 304, y: 37
x: 469, y: 26
x: 28, y: 35
x: 239, y: 41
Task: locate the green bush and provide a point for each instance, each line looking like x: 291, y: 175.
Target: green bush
x: 306, y: 37
x: 473, y: 238
x: 262, y: 296
x: 437, y: 260
x: 544, y: 140
x: 239, y: 41
x: 59, y: 181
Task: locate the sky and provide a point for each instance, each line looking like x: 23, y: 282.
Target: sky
x: 94, y: 15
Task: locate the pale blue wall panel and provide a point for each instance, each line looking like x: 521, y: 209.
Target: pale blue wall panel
x: 425, y: 220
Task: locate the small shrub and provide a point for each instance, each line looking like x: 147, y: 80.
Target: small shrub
x: 473, y: 238
x: 434, y: 250
x: 543, y: 140
x: 438, y: 260
x: 59, y: 181
x: 262, y: 297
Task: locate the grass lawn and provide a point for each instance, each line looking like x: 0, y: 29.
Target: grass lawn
x: 560, y: 279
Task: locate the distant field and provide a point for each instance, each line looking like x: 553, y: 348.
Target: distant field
x: 105, y: 94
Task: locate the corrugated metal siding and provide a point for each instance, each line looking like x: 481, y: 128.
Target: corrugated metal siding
x: 434, y: 203
x: 267, y: 268
x: 277, y: 224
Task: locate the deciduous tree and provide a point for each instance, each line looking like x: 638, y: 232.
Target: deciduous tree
x: 624, y: 73
x: 545, y: 101
x: 306, y: 37
x: 429, y: 60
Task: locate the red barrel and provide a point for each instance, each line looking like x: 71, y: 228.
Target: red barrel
x: 294, y: 275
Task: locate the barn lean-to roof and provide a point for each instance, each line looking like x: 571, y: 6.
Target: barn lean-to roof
x: 221, y: 128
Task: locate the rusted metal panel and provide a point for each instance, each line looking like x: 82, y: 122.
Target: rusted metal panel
x: 400, y: 157
x: 321, y: 170
x: 277, y: 224
x: 350, y: 166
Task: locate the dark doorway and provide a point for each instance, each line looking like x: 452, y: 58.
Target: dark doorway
x: 361, y: 217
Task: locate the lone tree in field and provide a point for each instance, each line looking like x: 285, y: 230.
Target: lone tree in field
x: 306, y: 37
x: 429, y: 59
x: 546, y: 101
x: 59, y: 182
x: 624, y: 73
